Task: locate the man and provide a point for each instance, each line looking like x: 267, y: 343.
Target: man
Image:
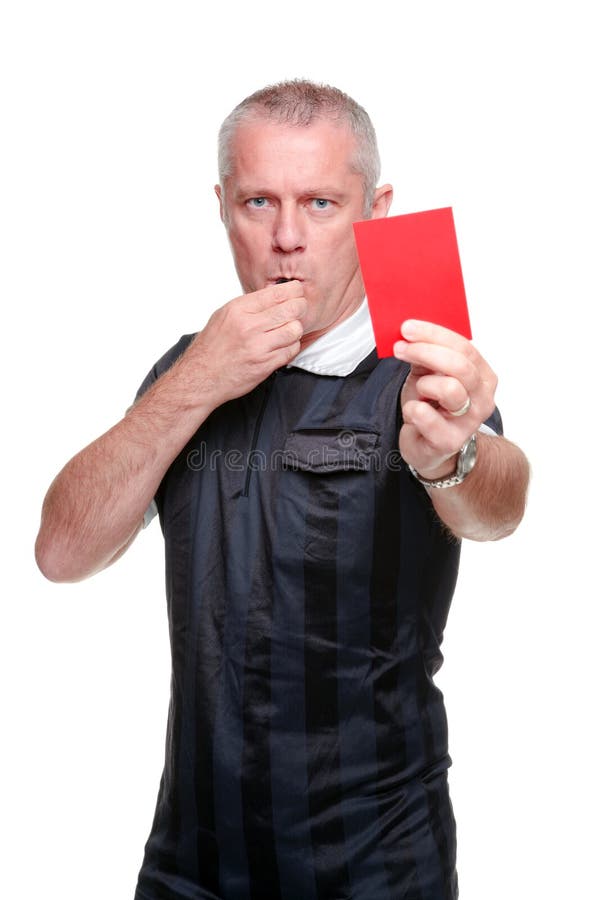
x: 309, y: 567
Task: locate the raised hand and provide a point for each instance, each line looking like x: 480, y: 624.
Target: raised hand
x: 446, y: 397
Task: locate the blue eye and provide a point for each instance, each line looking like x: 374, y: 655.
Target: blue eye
x: 257, y: 202
x: 321, y: 203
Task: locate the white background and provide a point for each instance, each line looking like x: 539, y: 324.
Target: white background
x: 111, y: 247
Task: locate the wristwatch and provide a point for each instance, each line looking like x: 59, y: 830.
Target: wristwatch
x: 467, y: 456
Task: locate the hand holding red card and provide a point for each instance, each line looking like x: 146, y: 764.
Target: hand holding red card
x: 411, y: 270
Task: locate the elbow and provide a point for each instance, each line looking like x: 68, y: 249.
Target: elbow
x: 50, y: 561
x: 514, y: 515
x: 54, y: 560
x: 495, y: 532
x: 495, y: 527
x: 482, y: 532
x: 503, y: 514
x: 64, y: 562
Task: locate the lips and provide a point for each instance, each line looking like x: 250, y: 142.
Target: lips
x: 281, y: 279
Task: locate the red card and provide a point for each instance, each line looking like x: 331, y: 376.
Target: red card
x: 411, y: 270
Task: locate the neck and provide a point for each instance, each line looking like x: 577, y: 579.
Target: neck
x: 311, y: 336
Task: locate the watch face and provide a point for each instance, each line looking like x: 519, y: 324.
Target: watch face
x: 468, y: 455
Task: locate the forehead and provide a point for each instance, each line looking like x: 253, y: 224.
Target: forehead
x: 277, y: 154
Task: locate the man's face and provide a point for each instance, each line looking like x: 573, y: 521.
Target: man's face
x: 288, y: 207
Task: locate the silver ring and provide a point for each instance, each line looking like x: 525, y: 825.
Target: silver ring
x: 464, y: 409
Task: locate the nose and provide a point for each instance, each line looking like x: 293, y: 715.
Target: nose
x: 288, y: 230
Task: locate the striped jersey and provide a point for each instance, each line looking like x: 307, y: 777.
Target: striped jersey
x: 308, y: 584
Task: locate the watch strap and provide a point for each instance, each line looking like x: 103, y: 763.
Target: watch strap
x: 464, y: 465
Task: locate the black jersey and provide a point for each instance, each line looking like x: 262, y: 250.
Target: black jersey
x: 308, y: 584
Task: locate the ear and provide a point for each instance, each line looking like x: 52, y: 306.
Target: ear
x: 219, y: 193
x: 382, y: 200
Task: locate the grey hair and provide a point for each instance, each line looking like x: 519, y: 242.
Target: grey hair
x: 300, y: 102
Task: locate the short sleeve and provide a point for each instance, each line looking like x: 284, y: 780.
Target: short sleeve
x: 158, y: 369
x: 165, y: 363
x: 493, y: 425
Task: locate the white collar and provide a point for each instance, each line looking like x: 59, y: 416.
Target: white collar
x: 339, y: 351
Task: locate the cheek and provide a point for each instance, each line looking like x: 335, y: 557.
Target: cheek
x: 243, y: 251
x: 342, y: 255
x: 249, y: 244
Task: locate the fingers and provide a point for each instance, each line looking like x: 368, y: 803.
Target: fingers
x: 281, y: 356
x: 423, y: 337
x: 249, y: 337
x: 419, y: 452
x: 285, y: 335
x: 437, y: 351
x: 281, y: 313
x: 447, y: 375
x: 272, y: 294
x: 443, y: 360
x: 448, y: 393
x: 264, y: 317
x: 266, y: 325
x: 441, y: 434
x: 430, y: 333
x: 272, y: 306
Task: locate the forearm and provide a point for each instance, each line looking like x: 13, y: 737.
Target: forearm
x: 490, y: 502
x: 96, y: 504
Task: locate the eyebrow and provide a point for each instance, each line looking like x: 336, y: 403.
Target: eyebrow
x: 244, y: 191
x: 324, y: 192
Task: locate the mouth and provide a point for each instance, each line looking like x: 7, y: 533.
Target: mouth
x: 282, y: 279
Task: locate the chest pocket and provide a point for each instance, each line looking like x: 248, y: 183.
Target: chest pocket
x: 328, y: 490
x: 330, y: 450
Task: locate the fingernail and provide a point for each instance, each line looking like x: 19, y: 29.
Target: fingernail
x: 408, y: 328
x: 399, y: 348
